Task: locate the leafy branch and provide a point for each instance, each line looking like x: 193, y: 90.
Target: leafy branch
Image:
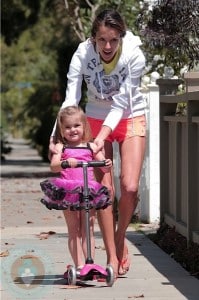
x: 171, y: 29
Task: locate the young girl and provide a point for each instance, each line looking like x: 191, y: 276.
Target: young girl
x: 65, y: 193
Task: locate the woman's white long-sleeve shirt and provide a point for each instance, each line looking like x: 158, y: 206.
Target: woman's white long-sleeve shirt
x: 110, y: 97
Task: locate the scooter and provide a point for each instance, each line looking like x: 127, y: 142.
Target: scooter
x: 90, y: 271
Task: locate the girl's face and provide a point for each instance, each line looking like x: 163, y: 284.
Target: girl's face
x: 107, y: 42
x: 73, y: 129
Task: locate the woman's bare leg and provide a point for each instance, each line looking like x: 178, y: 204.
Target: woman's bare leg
x: 132, y: 154
x: 105, y: 216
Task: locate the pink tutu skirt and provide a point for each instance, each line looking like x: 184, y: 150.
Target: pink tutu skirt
x: 61, y: 194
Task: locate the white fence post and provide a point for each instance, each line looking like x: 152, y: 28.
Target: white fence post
x: 149, y: 191
x: 154, y: 153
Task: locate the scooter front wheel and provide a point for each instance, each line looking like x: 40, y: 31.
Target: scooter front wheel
x: 72, y: 277
x: 110, y: 275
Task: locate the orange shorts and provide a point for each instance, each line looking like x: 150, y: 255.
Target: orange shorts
x: 125, y: 129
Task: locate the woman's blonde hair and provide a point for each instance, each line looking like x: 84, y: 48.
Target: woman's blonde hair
x: 70, y: 111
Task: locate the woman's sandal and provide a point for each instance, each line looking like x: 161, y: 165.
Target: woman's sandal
x: 124, y: 264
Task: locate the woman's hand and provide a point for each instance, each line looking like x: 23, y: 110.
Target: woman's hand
x: 99, y: 145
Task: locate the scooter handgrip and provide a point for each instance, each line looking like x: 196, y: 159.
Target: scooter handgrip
x: 96, y: 163
x: 65, y: 164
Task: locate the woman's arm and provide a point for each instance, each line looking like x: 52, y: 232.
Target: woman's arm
x: 52, y: 147
x: 100, y: 138
x: 99, y: 155
x: 129, y: 91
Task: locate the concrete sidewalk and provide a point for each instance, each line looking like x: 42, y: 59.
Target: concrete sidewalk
x: 34, y: 250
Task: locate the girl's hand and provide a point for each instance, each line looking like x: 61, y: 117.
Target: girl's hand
x: 108, y: 163
x: 108, y: 166
x: 72, y: 162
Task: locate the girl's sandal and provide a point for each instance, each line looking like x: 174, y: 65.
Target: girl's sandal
x: 66, y: 273
x: 77, y: 271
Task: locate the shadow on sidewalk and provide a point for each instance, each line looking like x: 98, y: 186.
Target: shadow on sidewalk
x: 24, y: 161
x: 53, y: 279
x: 174, y: 274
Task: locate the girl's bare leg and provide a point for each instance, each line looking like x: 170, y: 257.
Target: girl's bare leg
x: 73, y: 221
x: 132, y: 154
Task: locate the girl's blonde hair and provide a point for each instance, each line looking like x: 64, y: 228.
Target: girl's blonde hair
x: 70, y: 111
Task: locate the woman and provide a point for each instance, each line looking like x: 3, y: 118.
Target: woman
x: 111, y: 64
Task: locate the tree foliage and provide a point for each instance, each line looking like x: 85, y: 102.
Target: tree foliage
x: 17, y: 16
x: 171, y: 30
x: 38, y: 40
x: 29, y: 65
x: 81, y: 13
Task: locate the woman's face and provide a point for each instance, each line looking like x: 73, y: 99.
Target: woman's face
x: 107, y: 42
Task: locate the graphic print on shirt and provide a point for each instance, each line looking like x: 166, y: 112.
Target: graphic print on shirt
x: 106, y: 84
